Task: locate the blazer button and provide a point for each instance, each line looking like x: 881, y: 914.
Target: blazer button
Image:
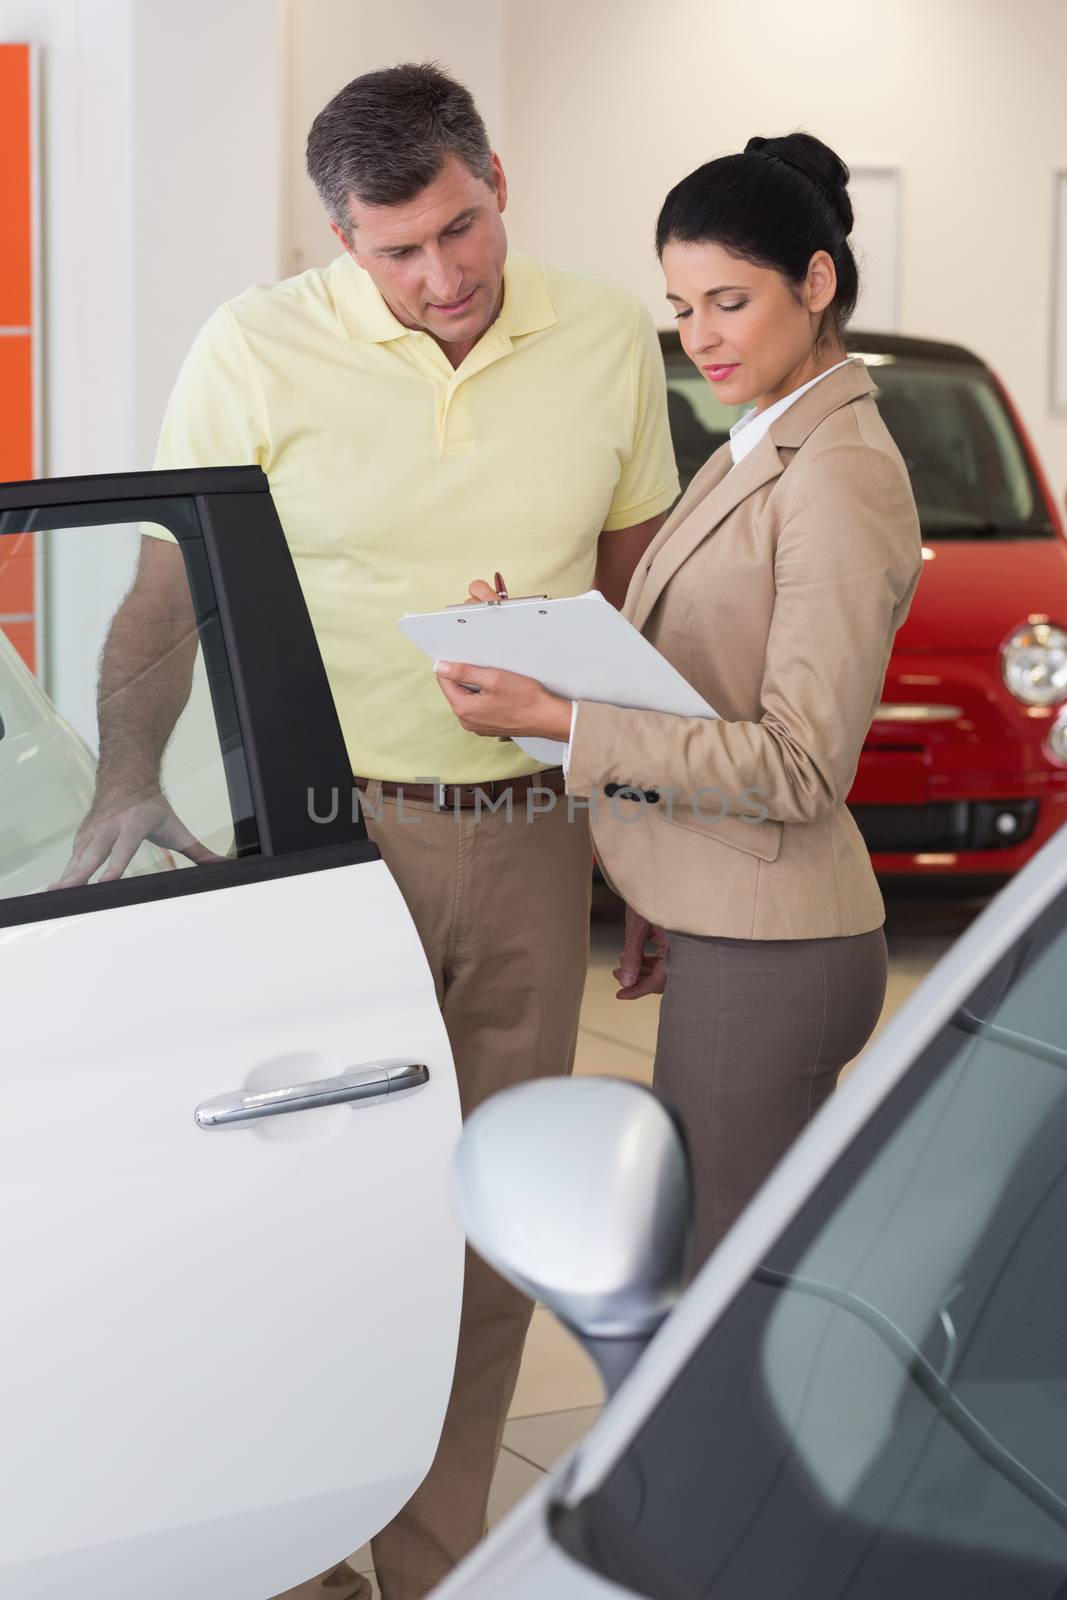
x: 629, y: 791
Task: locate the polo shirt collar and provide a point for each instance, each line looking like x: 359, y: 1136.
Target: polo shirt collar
x: 360, y: 308
x: 364, y: 314
x: 527, y: 306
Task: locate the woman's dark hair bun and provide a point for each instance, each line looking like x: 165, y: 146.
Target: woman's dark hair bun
x: 814, y: 161
x: 775, y: 204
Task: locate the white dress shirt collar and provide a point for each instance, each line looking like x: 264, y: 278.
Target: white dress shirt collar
x: 746, y: 433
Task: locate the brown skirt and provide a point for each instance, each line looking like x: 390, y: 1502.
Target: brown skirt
x: 752, y: 1036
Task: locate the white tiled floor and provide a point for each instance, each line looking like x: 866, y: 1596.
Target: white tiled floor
x: 558, y: 1395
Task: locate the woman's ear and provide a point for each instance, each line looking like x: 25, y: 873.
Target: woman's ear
x: 821, y: 283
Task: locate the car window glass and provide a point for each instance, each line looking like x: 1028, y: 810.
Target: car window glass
x: 63, y: 577
x: 966, y: 465
x: 882, y: 1409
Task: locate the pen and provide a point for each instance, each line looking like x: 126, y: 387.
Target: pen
x: 501, y: 594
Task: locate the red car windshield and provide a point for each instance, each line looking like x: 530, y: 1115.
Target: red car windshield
x: 968, y: 470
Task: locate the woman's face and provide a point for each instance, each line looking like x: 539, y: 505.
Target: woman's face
x: 751, y: 333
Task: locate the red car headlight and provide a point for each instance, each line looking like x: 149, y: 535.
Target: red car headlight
x: 1034, y: 663
x: 1056, y: 742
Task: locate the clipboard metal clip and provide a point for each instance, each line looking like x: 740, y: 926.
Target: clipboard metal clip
x: 512, y: 600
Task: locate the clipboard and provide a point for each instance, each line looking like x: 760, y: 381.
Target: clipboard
x: 580, y: 648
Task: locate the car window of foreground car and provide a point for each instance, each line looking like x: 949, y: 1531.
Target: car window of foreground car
x: 882, y: 1409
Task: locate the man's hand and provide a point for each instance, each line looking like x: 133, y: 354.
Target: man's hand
x: 489, y: 701
x: 114, y: 831
x: 638, y: 973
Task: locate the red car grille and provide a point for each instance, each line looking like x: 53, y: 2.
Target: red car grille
x: 949, y: 826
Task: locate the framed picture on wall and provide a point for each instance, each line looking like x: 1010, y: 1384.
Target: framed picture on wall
x: 875, y: 194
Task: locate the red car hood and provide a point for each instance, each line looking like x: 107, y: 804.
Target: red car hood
x: 972, y: 593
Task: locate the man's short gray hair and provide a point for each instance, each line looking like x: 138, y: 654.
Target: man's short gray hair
x: 387, y: 134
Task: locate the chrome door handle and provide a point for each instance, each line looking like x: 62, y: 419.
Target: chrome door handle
x: 367, y: 1085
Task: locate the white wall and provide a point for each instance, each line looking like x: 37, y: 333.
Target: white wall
x: 207, y: 175
x: 965, y: 96
x: 602, y: 105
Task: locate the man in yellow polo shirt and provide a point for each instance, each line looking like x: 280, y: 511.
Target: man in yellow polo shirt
x: 429, y: 409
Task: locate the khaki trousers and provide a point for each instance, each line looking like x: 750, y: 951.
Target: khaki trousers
x: 502, y: 908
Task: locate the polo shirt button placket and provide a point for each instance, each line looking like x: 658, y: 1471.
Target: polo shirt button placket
x: 455, y: 420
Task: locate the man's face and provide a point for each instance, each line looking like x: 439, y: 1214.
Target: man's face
x: 437, y: 260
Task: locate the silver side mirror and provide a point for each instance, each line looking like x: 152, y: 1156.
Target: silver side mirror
x: 577, y: 1191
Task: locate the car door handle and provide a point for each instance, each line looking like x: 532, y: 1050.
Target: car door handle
x: 367, y: 1085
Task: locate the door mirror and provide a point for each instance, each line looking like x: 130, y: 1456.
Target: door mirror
x: 577, y: 1191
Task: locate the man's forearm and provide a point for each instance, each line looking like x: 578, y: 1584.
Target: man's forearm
x: 618, y: 554
x: 146, y: 674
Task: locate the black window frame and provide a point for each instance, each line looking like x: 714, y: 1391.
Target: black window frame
x: 253, y: 623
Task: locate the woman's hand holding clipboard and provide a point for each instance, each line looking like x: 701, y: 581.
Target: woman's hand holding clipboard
x: 507, y: 702
x: 557, y: 652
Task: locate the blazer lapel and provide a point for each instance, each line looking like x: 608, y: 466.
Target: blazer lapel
x: 710, y: 475
x: 725, y: 489
x: 838, y: 389
x: 758, y: 467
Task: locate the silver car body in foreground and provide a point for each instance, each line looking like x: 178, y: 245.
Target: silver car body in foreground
x: 877, y: 1364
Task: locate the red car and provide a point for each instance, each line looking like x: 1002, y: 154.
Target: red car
x: 965, y: 767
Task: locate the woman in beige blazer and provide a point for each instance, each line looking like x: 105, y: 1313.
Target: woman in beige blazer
x: 775, y: 587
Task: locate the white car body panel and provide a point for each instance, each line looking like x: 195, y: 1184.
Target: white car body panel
x: 519, y: 1561
x: 236, y: 1369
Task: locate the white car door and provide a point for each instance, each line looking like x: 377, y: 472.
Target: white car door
x: 231, y: 1273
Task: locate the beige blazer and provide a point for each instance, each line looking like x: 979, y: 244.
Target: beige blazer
x: 775, y: 589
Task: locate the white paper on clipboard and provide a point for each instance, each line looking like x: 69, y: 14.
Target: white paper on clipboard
x: 580, y: 648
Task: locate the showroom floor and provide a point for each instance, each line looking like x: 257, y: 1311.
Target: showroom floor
x: 558, y: 1394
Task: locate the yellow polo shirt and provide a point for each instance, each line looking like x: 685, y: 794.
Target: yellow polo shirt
x: 399, y: 479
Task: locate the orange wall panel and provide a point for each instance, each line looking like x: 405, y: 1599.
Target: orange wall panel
x: 18, y: 593
x: 16, y: 188
x: 16, y: 575
x: 16, y: 407
x: 18, y: 330
x: 21, y: 635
